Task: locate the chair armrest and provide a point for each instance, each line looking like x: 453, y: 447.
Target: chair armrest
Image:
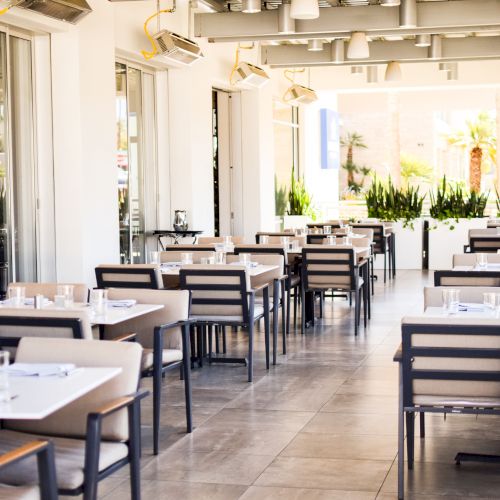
x: 126, y: 337
x: 283, y: 277
x: 398, y: 355
x: 174, y: 324
x: 118, y: 404
x: 258, y: 288
x: 24, y: 451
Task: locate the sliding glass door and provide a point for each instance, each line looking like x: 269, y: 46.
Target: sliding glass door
x: 136, y: 159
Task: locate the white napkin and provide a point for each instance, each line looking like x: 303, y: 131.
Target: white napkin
x: 471, y: 307
x: 41, y: 369
x: 122, y: 303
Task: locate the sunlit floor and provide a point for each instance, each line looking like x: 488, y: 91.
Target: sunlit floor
x: 320, y: 425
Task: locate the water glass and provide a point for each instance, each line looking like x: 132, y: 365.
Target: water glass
x: 220, y: 257
x: 207, y: 260
x: 245, y: 259
x: 346, y: 240
x: 451, y: 298
x: 98, y: 300
x: 327, y: 229
x: 67, y: 291
x: 482, y: 260
x: 284, y: 241
x: 16, y: 295
x: 186, y: 258
x: 4, y: 376
x: 59, y: 301
x: 264, y: 239
x: 227, y: 240
x: 490, y: 300
x: 154, y: 257
x: 332, y: 240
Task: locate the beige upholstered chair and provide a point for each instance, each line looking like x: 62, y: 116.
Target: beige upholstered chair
x: 164, y: 336
x: 171, y: 282
x: 332, y: 268
x: 465, y: 278
x: 433, y: 296
x: 208, y: 240
x: 449, y: 365
x: 94, y: 435
x: 222, y: 295
x: 129, y: 276
x: 80, y: 290
x: 470, y: 259
x: 277, y: 279
x: 44, y: 453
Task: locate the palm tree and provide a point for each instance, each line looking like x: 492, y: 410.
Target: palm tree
x: 478, y: 137
x: 350, y: 141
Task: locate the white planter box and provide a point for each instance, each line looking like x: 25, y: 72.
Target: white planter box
x: 445, y: 242
x: 409, y: 246
x: 295, y: 221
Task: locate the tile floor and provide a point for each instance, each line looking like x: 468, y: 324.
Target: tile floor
x: 321, y: 425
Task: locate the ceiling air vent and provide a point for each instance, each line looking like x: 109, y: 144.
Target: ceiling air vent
x: 71, y: 11
x: 177, y: 48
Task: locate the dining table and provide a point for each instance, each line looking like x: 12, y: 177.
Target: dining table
x: 173, y: 268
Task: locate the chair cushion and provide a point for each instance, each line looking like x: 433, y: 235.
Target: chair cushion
x: 257, y: 311
x: 8, y: 492
x: 454, y: 401
x: 169, y: 356
x: 70, y: 458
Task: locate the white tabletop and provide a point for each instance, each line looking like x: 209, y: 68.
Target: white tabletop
x: 489, y: 267
x: 475, y: 311
x: 252, y: 272
x: 34, y: 398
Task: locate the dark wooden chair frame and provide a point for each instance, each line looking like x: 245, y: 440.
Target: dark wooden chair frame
x: 246, y: 301
x: 407, y: 410
x: 467, y: 275
x: 360, y: 291
x: 44, y: 452
x: 150, y: 273
x: 476, y: 244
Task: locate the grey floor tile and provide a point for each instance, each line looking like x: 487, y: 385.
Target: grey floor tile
x: 274, y: 493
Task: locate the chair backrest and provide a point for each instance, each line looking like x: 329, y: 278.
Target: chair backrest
x: 177, y: 256
x: 450, y: 359
x: 129, y: 276
x: 17, y: 323
x: 482, y: 232
x: 271, y: 248
x: 275, y: 240
x: 484, y: 243
x: 288, y: 232
x: 470, y: 259
x: 49, y: 290
x: 467, y: 278
x: 329, y: 267
x: 433, y: 296
x: 190, y: 248
x: 317, y: 239
x: 204, y: 240
x: 379, y: 235
x: 175, y: 308
x: 71, y: 421
x: 368, y: 232
x: 217, y: 290
x: 319, y: 225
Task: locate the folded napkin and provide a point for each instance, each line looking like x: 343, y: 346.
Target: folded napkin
x: 171, y: 264
x: 122, y: 303
x: 41, y: 369
x: 470, y: 307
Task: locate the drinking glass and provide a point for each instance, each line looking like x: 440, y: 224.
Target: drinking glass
x: 186, y: 258
x: 482, y: 260
x: 346, y: 240
x: 227, y: 240
x: 451, y: 298
x: 220, y: 257
x: 284, y: 241
x: 204, y: 260
x: 245, y: 259
x: 98, y: 299
x: 16, y: 295
x: 67, y: 291
x: 332, y: 240
x: 263, y: 239
x: 154, y: 257
x: 4, y: 376
x: 327, y: 229
x: 490, y: 300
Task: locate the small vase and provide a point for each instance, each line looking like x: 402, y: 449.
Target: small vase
x: 180, y: 220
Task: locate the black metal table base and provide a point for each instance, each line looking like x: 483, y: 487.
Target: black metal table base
x: 476, y: 457
x: 219, y: 359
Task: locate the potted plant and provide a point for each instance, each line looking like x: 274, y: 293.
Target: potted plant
x: 300, y: 209
x: 454, y: 211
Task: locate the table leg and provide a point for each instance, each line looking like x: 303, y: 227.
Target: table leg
x: 309, y: 308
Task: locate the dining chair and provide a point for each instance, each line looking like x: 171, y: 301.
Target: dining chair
x: 292, y: 272
x: 49, y: 290
x: 472, y: 233
x: 171, y: 282
x: 273, y: 233
x: 208, y: 240
x: 332, y: 268
x: 43, y: 451
x: 433, y: 296
x: 467, y: 278
x: 190, y: 248
x: 484, y: 243
x: 277, y: 291
x: 382, y: 245
x: 94, y: 436
x: 222, y: 295
x: 164, y: 336
x: 129, y: 276
x: 447, y: 366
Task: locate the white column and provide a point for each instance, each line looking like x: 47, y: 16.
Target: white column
x: 394, y: 141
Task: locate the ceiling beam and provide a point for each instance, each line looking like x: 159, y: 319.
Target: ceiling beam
x: 453, y: 49
x: 337, y: 22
